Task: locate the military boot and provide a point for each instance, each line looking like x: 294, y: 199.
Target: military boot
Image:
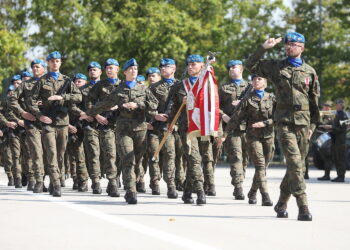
x: 113, y: 190
x: 179, y: 186
x: 201, y: 198
x: 24, y: 180
x: 38, y: 188
x: 172, y: 194
x: 211, y: 190
x: 63, y: 181
x: 96, y: 188
x: 339, y: 179
x: 75, y: 184
x: 50, y: 189
x: 281, y: 210
x: 266, y: 201
x: 11, y: 181
x: 45, y: 189
x: 155, y: 188
x: 18, y: 182
x: 56, y: 191
x: 30, y: 186
x: 252, y: 197
x: 130, y: 197
x: 140, y: 187
x: 324, y: 178
x: 238, y: 193
x: 304, y: 214
x: 187, y: 197
x: 83, y: 186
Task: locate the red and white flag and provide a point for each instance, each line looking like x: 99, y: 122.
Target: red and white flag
x: 203, y: 105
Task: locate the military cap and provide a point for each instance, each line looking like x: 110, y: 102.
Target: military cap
x: 79, y: 76
x: 152, y: 70
x: 194, y: 58
x: 294, y: 37
x: 16, y: 78
x: 339, y: 101
x: 328, y: 103
x: 54, y: 55
x: 140, y: 78
x: 26, y: 74
x: 233, y: 63
x: 111, y: 61
x: 129, y: 63
x: 38, y: 61
x: 11, y: 88
x: 166, y: 61
x: 94, y: 64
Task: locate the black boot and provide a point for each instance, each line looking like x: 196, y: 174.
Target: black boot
x: 11, y: 181
x: 45, y: 189
x: 63, y: 181
x: 75, y: 184
x: 82, y: 186
x: 38, y: 188
x: 324, y: 178
x: 266, y: 201
x: 281, y: 210
x: 252, y: 197
x: 50, y: 189
x: 187, y: 197
x: 113, y: 190
x: 238, y: 193
x: 306, y: 176
x: 155, y: 188
x: 18, y: 182
x: 211, y: 190
x: 96, y: 188
x: 140, y: 187
x: 30, y: 186
x: 56, y: 191
x: 24, y: 180
x: 339, y: 179
x: 130, y: 197
x: 304, y: 214
x: 201, y: 198
x: 172, y: 194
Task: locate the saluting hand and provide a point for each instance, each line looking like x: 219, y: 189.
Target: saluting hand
x: 271, y: 42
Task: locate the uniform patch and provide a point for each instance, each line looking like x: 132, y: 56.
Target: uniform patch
x: 307, y: 81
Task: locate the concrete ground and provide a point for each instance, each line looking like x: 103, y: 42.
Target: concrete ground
x: 85, y: 221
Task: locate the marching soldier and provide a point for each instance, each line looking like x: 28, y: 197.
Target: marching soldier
x: 153, y: 75
x: 235, y: 143
x: 20, y: 102
x: 297, y: 92
x: 134, y: 101
x: 56, y: 93
x: 257, y: 109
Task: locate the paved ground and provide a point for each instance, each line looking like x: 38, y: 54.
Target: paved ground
x: 85, y: 221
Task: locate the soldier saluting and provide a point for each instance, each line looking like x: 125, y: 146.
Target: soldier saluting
x: 297, y: 92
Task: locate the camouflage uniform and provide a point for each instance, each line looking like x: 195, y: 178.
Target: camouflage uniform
x: 297, y: 93
x: 130, y: 126
x: 54, y: 135
x: 235, y: 143
x: 260, y: 141
x: 20, y: 102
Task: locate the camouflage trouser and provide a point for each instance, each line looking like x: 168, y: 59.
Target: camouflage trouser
x: 7, y: 159
x: 109, y: 151
x: 194, y: 173
x: 179, y: 161
x: 294, y: 141
x: 26, y: 160
x: 14, y: 142
x: 131, y: 147
x: 206, y: 150
x: 235, y: 146
x: 77, y: 162
x: 36, y: 152
x: 92, y: 148
x: 54, y: 140
x: 261, y: 151
x: 168, y: 159
x: 154, y: 166
x: 340, y: 158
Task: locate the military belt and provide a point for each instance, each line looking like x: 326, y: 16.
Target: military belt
x: 295, y: 107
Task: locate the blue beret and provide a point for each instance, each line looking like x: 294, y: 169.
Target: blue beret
x: 26, y: 74
x: 294, y: 37
x: 11, y: 88
x: 152, y: 70
x: 140, y: 78
x: 79, y: 76
x: 94, y: 64
x: 16, y: 78
x: 194, y: 58
x: 54, y: 55
x: 233, y: 63
x: 167, y: 61
x: 38, y: 61
x: 129, y: 63
x: 111, y: 61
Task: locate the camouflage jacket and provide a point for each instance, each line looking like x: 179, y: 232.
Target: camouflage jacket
x: 228, y: 93
x: 128, y: 119
x: 255, y: 109
x: 47, y: 87
x: 296, y: 89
